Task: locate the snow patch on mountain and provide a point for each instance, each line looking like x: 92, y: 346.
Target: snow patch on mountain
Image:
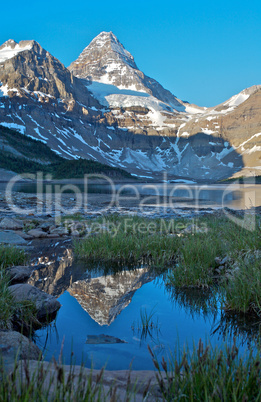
x: 10, y: 49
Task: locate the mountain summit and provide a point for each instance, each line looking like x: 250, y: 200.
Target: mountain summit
x: 106, y: 61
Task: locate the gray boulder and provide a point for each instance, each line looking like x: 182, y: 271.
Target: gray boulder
x: 11, y: 224
x: 46, y: 305
x: 11, y: 238
x: 19, y: 273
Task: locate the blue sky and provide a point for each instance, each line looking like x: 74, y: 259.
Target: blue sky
x: 202, y: 51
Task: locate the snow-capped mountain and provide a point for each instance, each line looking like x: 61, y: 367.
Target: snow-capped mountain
x: 104, y: 108
x: 105, y: 60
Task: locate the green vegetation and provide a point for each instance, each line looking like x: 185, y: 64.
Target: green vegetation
x: 206, y: 253
x: 127, y: 241
x: 11, y: 256
x: 209, y: 375
x: 51, y: 382
x: 147, y: 326
x: 76, y: 169
x: 21, y: 315
x: 243, y: 292
x: 22, y: 154
x: 8, y: 256
x: 7, y: 308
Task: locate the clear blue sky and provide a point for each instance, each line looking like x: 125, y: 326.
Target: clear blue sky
x: 202, y: 51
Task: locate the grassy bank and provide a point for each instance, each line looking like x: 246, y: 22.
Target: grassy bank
x: 206, y: 252
x: 13, y: 314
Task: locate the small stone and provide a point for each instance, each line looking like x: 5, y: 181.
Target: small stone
x: 223, y: 262
x: 37, y: 233
x: 45, y: 226
x: 103, y: 339
x: 52, y: 236
x: 75, y: 233
x: 60, y: 231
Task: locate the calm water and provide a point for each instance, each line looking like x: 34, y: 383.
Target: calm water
x: 236, y: 196
x: 95, y: 304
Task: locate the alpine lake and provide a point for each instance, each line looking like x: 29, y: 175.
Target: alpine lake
x: 103, y: 306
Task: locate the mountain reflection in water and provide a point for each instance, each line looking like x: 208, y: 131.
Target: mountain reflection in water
x: 102, y: 294
x: 108, y: 300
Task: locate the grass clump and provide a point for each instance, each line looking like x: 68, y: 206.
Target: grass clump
x: 21, y: 315
x: 131, y: 241
x: 243, y: 291
x: 10, y: 256
x: 32, y: 381
x: 7, y: 305
x: 210, y: 375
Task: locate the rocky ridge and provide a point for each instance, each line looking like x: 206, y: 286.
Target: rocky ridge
x: 106, y: 109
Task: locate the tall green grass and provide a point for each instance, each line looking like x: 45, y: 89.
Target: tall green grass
x: 243, y: 291
x: 10, y: 256
x: 22, y: 314
x: 209, y: 375
x: 124, y: 244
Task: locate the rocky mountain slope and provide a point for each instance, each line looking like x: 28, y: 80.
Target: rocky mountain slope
x: 104, y: 108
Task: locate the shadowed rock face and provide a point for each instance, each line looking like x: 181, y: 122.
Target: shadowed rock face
x: 117, y: 115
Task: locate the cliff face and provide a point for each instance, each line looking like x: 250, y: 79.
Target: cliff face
x: 104, y: 108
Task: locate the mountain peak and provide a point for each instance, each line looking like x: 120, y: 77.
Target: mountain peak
x: 102, y: 55
x: 106, y: 61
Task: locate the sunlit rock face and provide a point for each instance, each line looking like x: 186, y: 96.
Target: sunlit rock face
x: 104, y: 108
x: 104, y: 297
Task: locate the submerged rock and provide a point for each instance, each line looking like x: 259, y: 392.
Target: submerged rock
x: 15, y: 346
x: 103, y: 339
